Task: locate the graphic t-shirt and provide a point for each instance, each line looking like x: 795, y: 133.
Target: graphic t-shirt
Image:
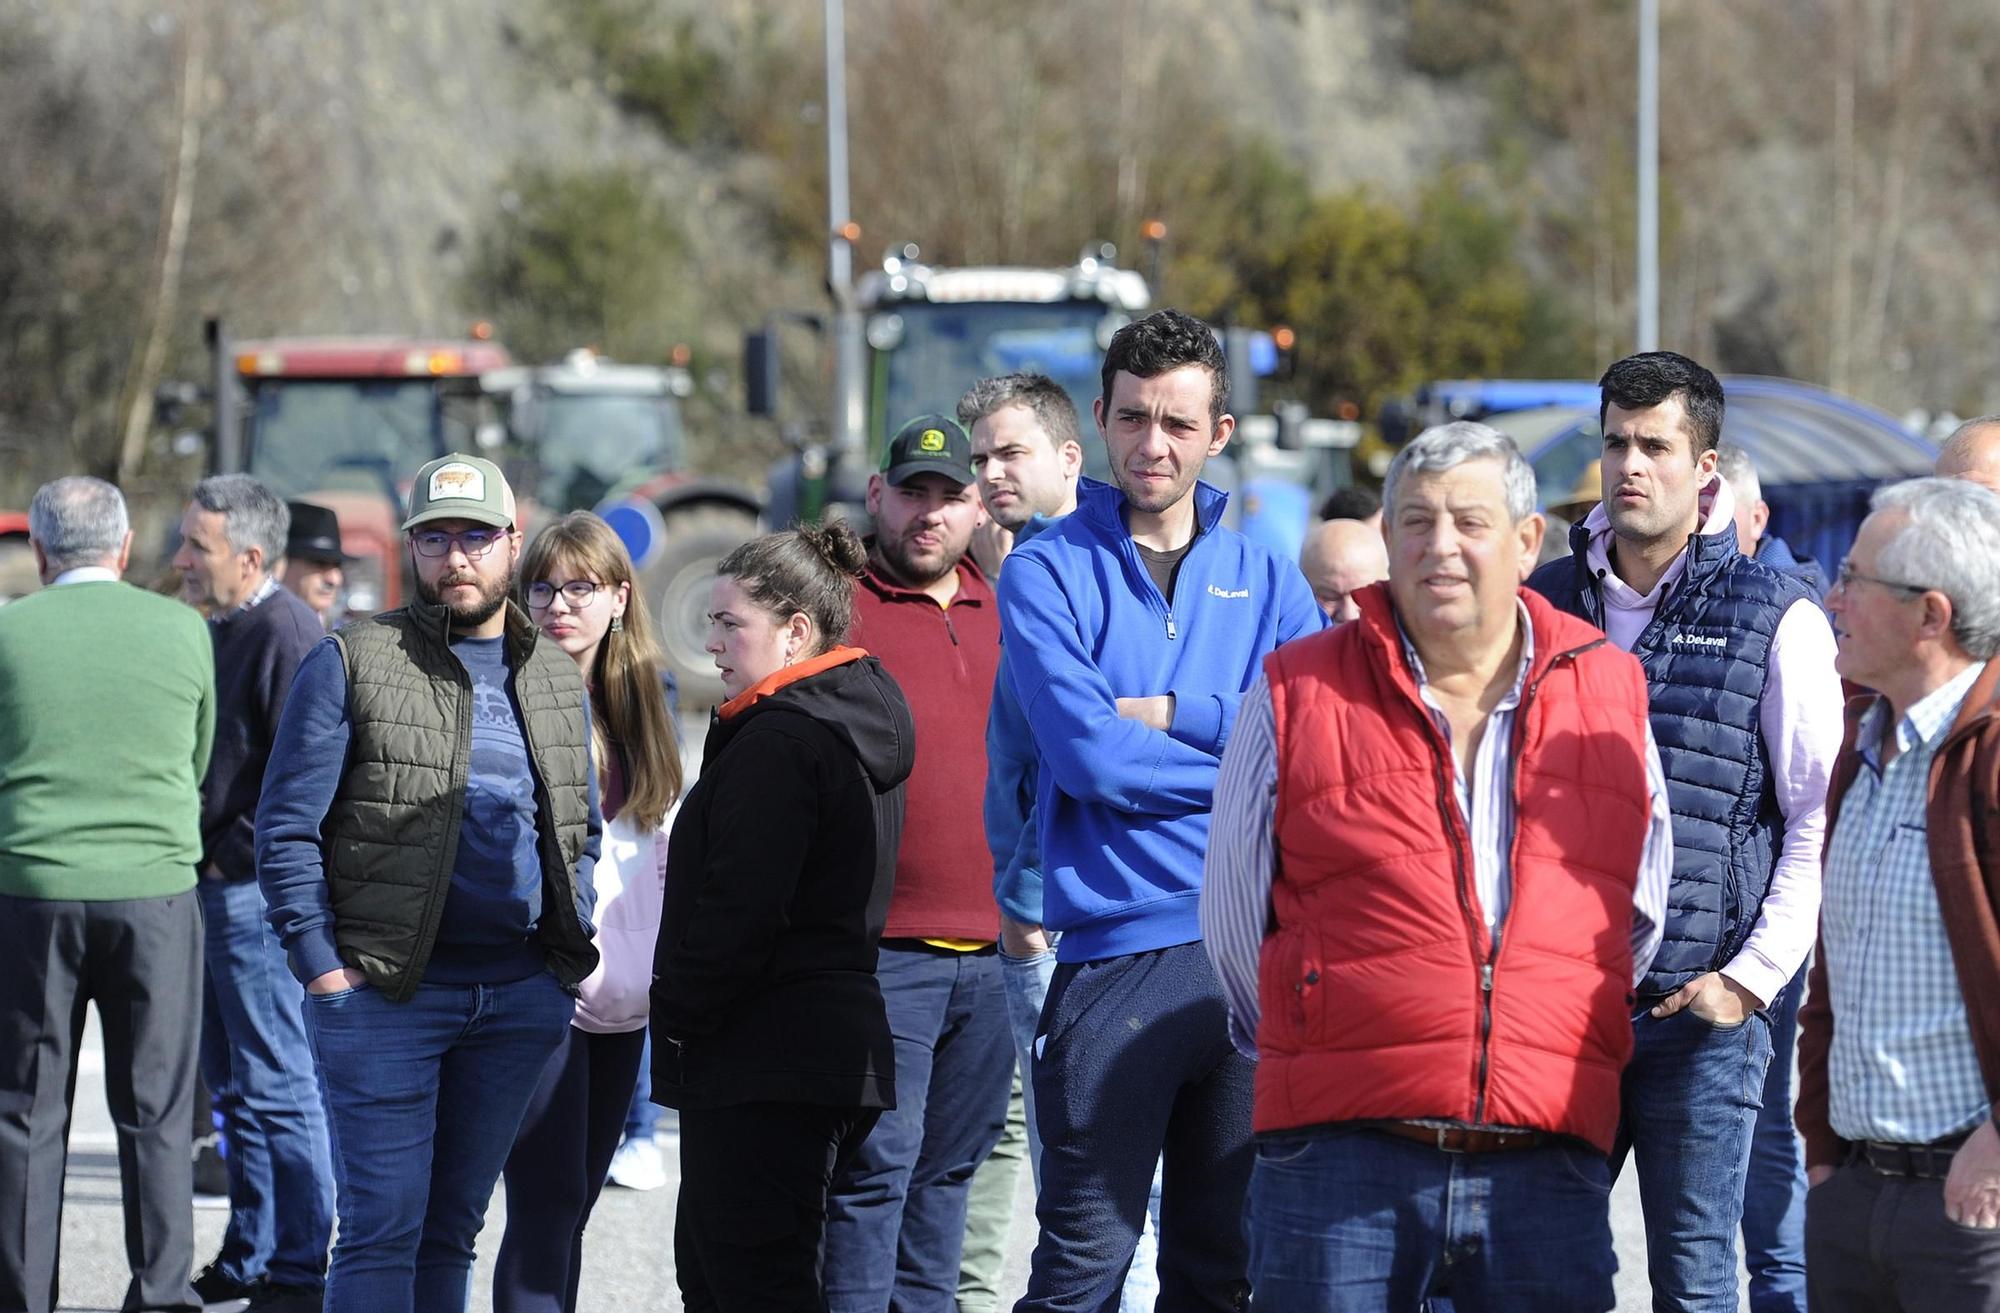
x: 487, y: 935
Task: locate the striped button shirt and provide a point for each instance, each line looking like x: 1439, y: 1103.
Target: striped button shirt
x: 1901, y: 1067
x: 1236, y: 882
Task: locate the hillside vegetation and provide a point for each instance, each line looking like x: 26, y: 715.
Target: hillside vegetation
x: 1437, y: 187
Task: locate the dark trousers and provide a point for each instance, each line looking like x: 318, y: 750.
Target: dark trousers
x: 752, y: 1211
x: 896, y: 1216
x: 139, y: 961
x: 1134, y: 1067
x: 556, y: 1171
x: 1880, y: 1244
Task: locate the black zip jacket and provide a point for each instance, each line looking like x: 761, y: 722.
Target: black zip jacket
x: 779, y: 871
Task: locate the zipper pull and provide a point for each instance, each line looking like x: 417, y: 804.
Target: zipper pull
x: 1171, y: 631
x: 1486, y: 977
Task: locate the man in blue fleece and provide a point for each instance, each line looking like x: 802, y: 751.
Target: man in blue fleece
x: 1132, y: 629
x: 425, y: 842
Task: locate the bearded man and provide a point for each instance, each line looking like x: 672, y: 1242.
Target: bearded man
x: 425, y: 841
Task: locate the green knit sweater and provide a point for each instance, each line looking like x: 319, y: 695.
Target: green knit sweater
x: 107, y: 710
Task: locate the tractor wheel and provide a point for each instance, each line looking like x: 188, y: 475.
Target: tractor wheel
x: 677, y: 585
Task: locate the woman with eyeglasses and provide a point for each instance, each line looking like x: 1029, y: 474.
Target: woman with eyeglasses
x: 576, y: 580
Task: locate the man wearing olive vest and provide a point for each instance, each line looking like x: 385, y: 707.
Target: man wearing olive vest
x: 425, y: 841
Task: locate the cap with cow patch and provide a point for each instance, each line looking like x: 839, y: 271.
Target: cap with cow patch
x: 457, y: 487
x: 929, y: 444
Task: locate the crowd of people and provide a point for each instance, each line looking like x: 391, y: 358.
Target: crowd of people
x: 1321, y: 934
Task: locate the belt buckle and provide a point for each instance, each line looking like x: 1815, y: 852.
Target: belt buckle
x: 1443, y: 1133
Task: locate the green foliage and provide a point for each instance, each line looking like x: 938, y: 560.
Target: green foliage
x: 592, y: 256
x: 661, y: 72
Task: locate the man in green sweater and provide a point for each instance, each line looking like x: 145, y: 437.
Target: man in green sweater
x: 107, y: 712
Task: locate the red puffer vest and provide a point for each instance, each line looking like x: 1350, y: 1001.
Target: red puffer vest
x: 1383, y: 997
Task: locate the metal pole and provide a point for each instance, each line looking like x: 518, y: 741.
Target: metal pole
x: 1649, y: 176
x: 849, y: 359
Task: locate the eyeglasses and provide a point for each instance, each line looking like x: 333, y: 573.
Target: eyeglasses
x: 473, y: 542
x: 1848, y: 576
x: 577, y: 592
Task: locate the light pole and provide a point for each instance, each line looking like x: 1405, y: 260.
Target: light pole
x: 849, y: 354
x: 1649, y: 176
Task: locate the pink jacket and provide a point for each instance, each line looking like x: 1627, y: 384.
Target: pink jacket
x: 631, y: 881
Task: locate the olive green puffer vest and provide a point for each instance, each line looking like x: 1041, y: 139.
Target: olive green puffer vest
x: 392, y: 833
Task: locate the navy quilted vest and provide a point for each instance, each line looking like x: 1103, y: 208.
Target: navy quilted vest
x: 1705, y: 654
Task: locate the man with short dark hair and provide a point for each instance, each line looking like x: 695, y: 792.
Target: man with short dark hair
x: 1132, y: 629
x: 1745, y: 709
x: 1899, y: 1042
x: 255, y: 1054
x: 1440, y: 855
x: 107, y: 718
x: 896, y: 1213
x: 425, y: 840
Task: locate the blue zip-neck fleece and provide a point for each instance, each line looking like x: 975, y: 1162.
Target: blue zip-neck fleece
x: 1123, y: 809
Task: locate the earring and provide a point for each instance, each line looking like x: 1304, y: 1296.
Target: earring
x: 617, y: 624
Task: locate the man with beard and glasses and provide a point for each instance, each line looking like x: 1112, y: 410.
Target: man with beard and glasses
x: 896, y: 1212
x: 1133, y: 628
x: 425, y: 841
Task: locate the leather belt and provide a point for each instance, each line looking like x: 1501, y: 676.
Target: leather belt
x: 1462, y: 1139
x: 1920, y: 1162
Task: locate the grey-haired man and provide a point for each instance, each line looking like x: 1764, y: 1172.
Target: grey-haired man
x: 255, y: 1056
x: 107, y: 712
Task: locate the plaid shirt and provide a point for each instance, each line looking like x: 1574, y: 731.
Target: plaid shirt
x: 1901, y: 1067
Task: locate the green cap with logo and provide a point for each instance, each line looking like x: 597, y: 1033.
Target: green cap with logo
x: 929, y: 444
x: 459, y: 487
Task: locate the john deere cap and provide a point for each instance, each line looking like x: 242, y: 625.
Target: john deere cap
x: 929, y: 444
x: 459, y: 487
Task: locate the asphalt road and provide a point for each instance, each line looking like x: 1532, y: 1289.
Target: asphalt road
x: 628, y: 1253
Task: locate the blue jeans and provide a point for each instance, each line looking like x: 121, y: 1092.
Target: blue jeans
x: 258, y: 1062
x: 1027, y: 980
x: 896, y: 1213
x: 642, y: 1119
x: 1774, y: 1197
x: 1690, y: 1100
x: 1355, y: 1221
x: 424, y: 1100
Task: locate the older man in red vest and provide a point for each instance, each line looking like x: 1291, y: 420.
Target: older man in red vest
x: 1439, y: 860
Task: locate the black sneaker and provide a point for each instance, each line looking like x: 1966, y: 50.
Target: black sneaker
x: 286, y: 1299
x: 217, y: 1287
x: 211, y: 1174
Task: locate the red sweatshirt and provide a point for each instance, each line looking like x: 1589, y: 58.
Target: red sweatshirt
x: 944, y: 658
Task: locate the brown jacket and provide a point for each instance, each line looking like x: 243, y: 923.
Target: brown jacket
x: 1963, y: 820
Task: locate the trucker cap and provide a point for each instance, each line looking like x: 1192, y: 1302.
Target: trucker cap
x: 459, y: 487
x: 929, y: 444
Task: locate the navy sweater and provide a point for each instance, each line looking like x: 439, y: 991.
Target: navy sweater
x: 257, y: 652
x: 487, y: 934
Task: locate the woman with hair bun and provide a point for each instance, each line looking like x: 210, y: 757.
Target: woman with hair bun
x: 769, y: 1033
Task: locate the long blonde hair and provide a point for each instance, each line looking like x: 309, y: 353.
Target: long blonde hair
x: 628, y: 705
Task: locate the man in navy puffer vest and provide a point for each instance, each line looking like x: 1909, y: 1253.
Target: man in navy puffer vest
x: 1746, y: 709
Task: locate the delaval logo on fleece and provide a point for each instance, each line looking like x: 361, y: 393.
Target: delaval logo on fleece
x: 1699, y: 642
x: 1213, y: 591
